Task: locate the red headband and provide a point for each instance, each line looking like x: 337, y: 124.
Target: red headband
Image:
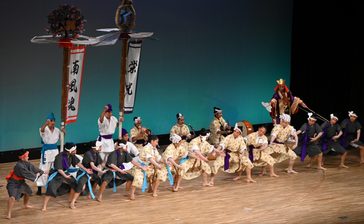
x: 26, y: 154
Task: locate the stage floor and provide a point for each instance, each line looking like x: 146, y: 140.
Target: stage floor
x: 311, y: 196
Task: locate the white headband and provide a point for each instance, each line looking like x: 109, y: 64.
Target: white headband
x: 237, y: 128
x: 352, y: 114
x: 204, y: 138
x: 175, y: 138
x: 285, y: 117
x: 122, y: 145
x: 310, y: 117
x: 332, y: 116
x: 98, y: 144
x: 138, y: 119
x: 71, y: 149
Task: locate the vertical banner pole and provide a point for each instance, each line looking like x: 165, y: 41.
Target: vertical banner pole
x: 66, y: 59
x: 124, y: 53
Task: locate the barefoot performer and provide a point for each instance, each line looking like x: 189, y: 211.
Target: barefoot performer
x: 16, y: 186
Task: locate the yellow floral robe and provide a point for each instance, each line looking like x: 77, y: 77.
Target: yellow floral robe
x: 145, y: 154
x: 279, y: 149
x: 215, y: 126
x: 238, y: 154
x: 133, y: 133
x: 176, y: 154
x: 181, y: 130
x: 193, y: 167
x: 260, y: 157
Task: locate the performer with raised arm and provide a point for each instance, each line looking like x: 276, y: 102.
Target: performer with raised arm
x: 92, y: 161
x: 330, y: 139
x: 257, y: 144
x: 283, y: 102
x: 175, y: 156
x: 154, y: 170
x: 139, y: 134
x: 280, y: 136
x: 50, y: 136
x: 16, y: 186
x: 236, y: 157
x: 107, y: 124
x: 352, y: 132
x: 180, y: 128
x: 60, y: 181
x: 309, y: 144
x: 218, y: 128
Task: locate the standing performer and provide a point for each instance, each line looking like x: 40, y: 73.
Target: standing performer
x: 116, y: 170
x: 154, y: 170
x: 198, y: 163
x: 236, y: 158
x: 309, y: 142
x: 180, y: 128
x: 218, y: 128
x: 279, y: 142
x: 139, y: 134
x: 91, y: 161
x: 257, y: 144
x: 60, y: 181
x: 283, y: 102
x: 330, y: 139
x: 17, y: 187
x: 175, y: 155
x: 107, y: 124
x: 50, y: 136
x: 351, y: 136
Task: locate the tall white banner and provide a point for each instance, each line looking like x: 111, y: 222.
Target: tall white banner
x: 131, y: 79
x: 75, y: 71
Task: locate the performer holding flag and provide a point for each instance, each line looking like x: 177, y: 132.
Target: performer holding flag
x: 50, y: 136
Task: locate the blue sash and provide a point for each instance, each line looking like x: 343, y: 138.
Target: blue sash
x: 46, y: 147
x: 170, y: 176
x: 183, y: 160
x: 88, y: 182
x: 145, y: 178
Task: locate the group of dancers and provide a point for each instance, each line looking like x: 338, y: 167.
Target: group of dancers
x: 137, y: 161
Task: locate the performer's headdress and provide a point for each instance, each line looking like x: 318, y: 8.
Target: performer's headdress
x: 97, y: 146
x: 137, y: 119
x: 281, y: 82
x: 51, y: 117
x: 352, y: 114
x: 174, y: 138
x: 122, y: 143
x: 285, y: 117
x: 70, y: 147
x: 311, y: 117
x: 24, y: 155
x: 217, y: 110
x: 179, y: 115
x: 237, y: 128
x: 109, y: 106
x: 124, y: 132
x: 204, y: 134
x: 332, y: 116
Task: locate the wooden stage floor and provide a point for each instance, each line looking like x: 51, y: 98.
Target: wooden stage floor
x: 311, y: 196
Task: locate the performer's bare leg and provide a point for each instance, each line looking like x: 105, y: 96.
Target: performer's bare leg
x: 263, y: 172
x: 45, y: 203
x: 93, y: 190
x: 249, y: 178
x: 177, y: 182
x: 342, y: 160
x: 290, y: 167
x: 240, y: 172
x: 310, y: 161
x: 361, y: 148
x: 70, y: 195
x: 205, y: 182
x: 26, y: 201
x: 132, y: 193
x: 319, y: 162
x: 101, y: 190
x: 155, y: 187
x: 128, y: 185
x: 11, y: 202
x: 212, y: 180
x: 73, y: 201
x: 271, y: 171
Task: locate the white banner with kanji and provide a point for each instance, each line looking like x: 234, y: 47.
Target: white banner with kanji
x: 131, y: 79
x: 75, y: 71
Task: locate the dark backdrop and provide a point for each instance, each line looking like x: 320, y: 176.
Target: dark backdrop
x: 327, y: 57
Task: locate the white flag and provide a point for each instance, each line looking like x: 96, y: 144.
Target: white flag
x: 132, y: 75
x: 75, y: 71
